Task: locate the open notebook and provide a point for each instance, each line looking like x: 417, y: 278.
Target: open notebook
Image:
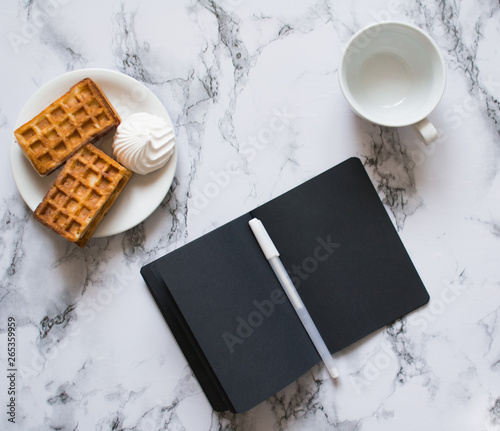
x: 228, y: 312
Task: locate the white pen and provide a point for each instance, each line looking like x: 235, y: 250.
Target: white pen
x: 272, y: 255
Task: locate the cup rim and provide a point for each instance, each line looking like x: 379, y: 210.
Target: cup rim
x: 344, y: 88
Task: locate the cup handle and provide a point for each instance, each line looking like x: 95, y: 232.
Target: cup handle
x: 427, y: 131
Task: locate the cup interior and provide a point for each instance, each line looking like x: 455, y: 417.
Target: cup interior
x: 392, y: 74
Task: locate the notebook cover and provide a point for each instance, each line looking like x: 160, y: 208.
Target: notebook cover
x: 226, y: 308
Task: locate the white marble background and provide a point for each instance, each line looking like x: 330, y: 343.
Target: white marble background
x: 254, y: 84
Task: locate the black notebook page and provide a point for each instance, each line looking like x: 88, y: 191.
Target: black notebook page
x: 343, y: 254
x: 237, y: 313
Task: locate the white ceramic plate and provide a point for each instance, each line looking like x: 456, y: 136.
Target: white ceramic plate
x: 143, y: 193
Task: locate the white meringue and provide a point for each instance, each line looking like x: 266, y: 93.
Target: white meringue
x: 143, y: 142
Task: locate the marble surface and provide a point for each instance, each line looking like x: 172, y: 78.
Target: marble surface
x: 253, y: 93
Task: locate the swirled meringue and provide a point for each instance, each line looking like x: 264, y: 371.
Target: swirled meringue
x: 143, y: 142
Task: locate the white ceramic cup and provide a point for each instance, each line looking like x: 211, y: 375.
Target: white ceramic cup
x: 393, y: 74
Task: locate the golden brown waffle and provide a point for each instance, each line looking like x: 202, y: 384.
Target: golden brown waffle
x: 79, y: 117
x: 82, y: 194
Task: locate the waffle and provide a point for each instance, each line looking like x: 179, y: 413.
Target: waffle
x: 82, y: 194
x: 79, y: 117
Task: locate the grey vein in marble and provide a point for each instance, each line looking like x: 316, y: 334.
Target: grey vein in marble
x: 411, y: 357
x: 128, y: 50
x: 392, y: 167
x: 463, y: 53
x: 228, y: 31
x: 47, y: 323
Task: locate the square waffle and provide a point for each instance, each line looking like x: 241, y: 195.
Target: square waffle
x: 79, y: 117
x: 82, y: 194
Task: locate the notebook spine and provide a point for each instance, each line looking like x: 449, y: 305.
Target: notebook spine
x: 187, y: 342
